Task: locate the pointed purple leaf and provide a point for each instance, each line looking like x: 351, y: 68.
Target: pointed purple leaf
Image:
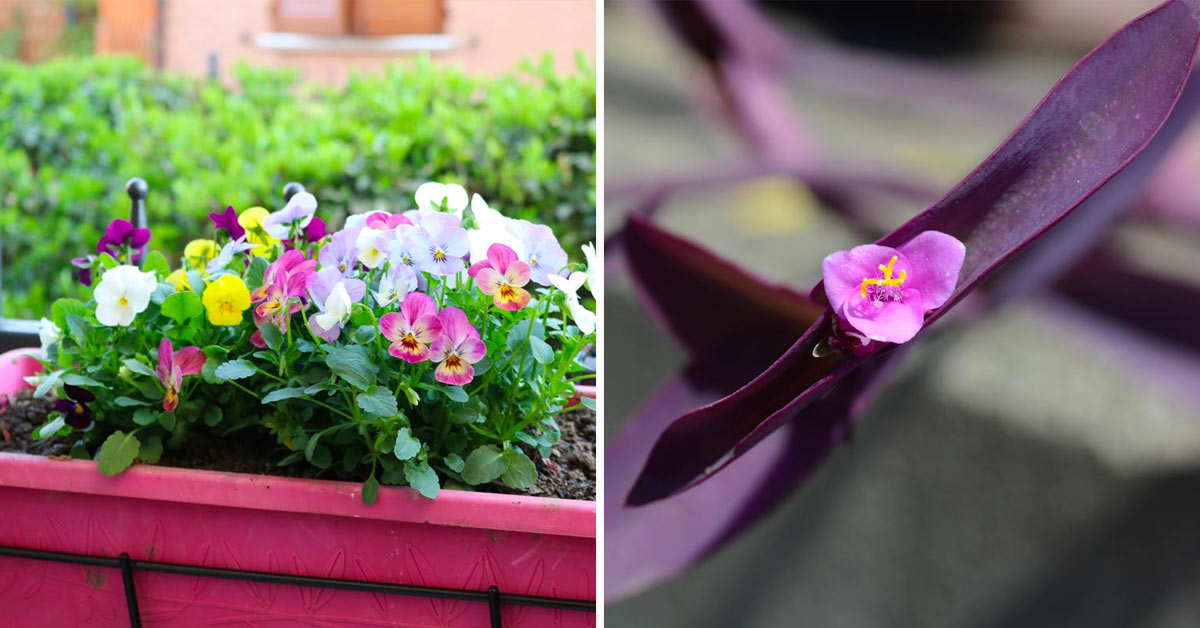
x: 1098, y: 117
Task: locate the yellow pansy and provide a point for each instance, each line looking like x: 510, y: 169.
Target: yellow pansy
x: 225, y: 299
x: 252, y: 221
x: 199, y: 253
x: 179, y: 279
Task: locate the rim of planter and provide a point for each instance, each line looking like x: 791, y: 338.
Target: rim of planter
x: 565, y: 517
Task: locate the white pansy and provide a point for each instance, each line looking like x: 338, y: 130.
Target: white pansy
x: 491, y: 227
x: 430, y: 196
x: 231, y: 248
x: 395, y: 285
x: 337, y: 308
x: 123, y: 293
x: 367, y: 244
x: 584, y: 318
x: 48, y: 333
x: 593, y: 266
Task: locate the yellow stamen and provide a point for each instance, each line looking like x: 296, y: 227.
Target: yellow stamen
x: 124, y: 301
x: 887, y: 277
x: 438, y: 255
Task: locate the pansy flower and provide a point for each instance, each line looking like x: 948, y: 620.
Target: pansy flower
x: 284, y: 280
x: 584, y: 318
x: 432, y: 196
x: 439, y: 244
x: 882, y: 293
x: 74, y: 407
x: 228, y: 220
x: 225, y: 299
x: 456, y: 349
x: 334, y: 296
x: 123, y: 292
x: 231, y: 249
x: 173, y: 366
x: 340, y: 252
x: 198, y: 253
x: 371, y: 244
x: 542, y: 251
x: 120, y: 235
x: 502, y: 276
x: 412, y: 328
x: 491, y: 227
x: 395, y: 285
x: 293, y: 218
x: 252, y: 220
x: 384, y: 220
x: 84, y: 264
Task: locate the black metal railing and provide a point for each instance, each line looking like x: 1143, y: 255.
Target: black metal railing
x: 16, y: 334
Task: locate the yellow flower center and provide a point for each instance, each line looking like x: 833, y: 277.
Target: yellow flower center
x: 887, y: 277
x: 533, y: 261
x: 439, y: 255
x: 507, y: 292
x: 123, y: 301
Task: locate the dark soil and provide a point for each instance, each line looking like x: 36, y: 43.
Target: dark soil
x: 570, y: 473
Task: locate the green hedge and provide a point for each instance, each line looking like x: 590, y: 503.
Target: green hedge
x: 75, y: 129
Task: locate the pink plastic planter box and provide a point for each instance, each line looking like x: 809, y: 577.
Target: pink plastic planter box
x: 461, y: 540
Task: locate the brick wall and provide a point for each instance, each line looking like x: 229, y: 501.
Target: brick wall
x: 491, y: 37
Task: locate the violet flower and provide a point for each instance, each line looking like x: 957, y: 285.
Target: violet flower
x: 412, y: 328
x: 315, y: 230
x: 173, y: 366
x: 284, y: 280
x: 327, y: 288
x: 228, y: 220
x: 882, y: 293
x: 294, y: 216
x: 84, y: 264
x: 542, y: 251
x: 456, y: 349
x: 396, y: 284
x: 231, y: 248
x: 439, y: 244
x: 119, y: 235
x: 74, y: 407
x: 340, y: 252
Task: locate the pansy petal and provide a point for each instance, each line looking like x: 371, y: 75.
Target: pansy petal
x: 441, y: 348
x: 517, y: 274
x: 455, y: 324
x: 427, y: 328
x: 78, y: 394
x: 472, y: 350
x: 501, y: 256
x: 457, y: 375
x: 416, y: 305
x: 166, y: 358
x: 190, y: 360
x: 489, y: 281
x: 513, y: 301
x: 389, y: 326
x: 417, y: 353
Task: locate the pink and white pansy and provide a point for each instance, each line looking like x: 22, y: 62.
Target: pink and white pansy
x: 457, y: 349
x: 412, y: 329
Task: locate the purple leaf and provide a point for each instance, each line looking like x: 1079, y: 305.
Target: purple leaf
x: 1098, y: 117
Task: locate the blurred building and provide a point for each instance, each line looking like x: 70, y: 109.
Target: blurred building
x: 324, y: 39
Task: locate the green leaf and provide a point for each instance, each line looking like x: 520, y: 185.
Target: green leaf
x: 455, y: 393
x: 540, y: 350
x: 108, y: 261
x: 79, y: 451
x: 378, y: 401
x: 588, y: 402
x: 254, y: 275
x: 79, y: 327
x: 182, y: 306
x: 483, y: 465
x: 406, y: 445
x: 167, y: 420
x: 272, y: 336
x: 157, y: 262
x: 48, y: 382
x: 129, y: 402
x: 365, y: 334
x: 234, y: 369
x: 521, y: 472
x: 213, y: 415
x: 455, y: 462
x: 50, y: 428
x: 516, y: 335
x: 79, y: 379
x: 117, y: 453
x: 160, y: 294
x: 62, y: 307
x: 196, y: 283
x: 139, y: 367
x: 283, y: 393
x: 151, y: 450
x: 321, y: 457
x: 145, y: 416
x: 353, y: 364
x: 370, y: 491
x: 422, y: 478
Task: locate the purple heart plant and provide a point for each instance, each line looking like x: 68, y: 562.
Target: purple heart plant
x: 382, y: 362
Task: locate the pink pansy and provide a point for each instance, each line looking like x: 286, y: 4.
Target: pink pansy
x: 502, y: 276
x: 172, y: 366
x: 412, y: 328
x: 882, y: 293
x: 456, y: 349
x: 281, y: 293
x: 384, y: 220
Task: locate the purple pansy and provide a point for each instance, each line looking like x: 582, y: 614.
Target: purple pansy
x: 231, y: 248
x: 84, y: 264
x: 340, y: 252
x: 120, y: 234
x: 542, y: 251
x: 74, y: 407
x: 294, y: 216
x: 882, y: 293
x: 325, y: 283
x: 228, y: 220
x: 439, y: 244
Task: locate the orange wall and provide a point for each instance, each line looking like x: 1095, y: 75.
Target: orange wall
x: 491, y: 37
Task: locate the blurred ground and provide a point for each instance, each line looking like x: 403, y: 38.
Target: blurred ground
x: 1018, y: 473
